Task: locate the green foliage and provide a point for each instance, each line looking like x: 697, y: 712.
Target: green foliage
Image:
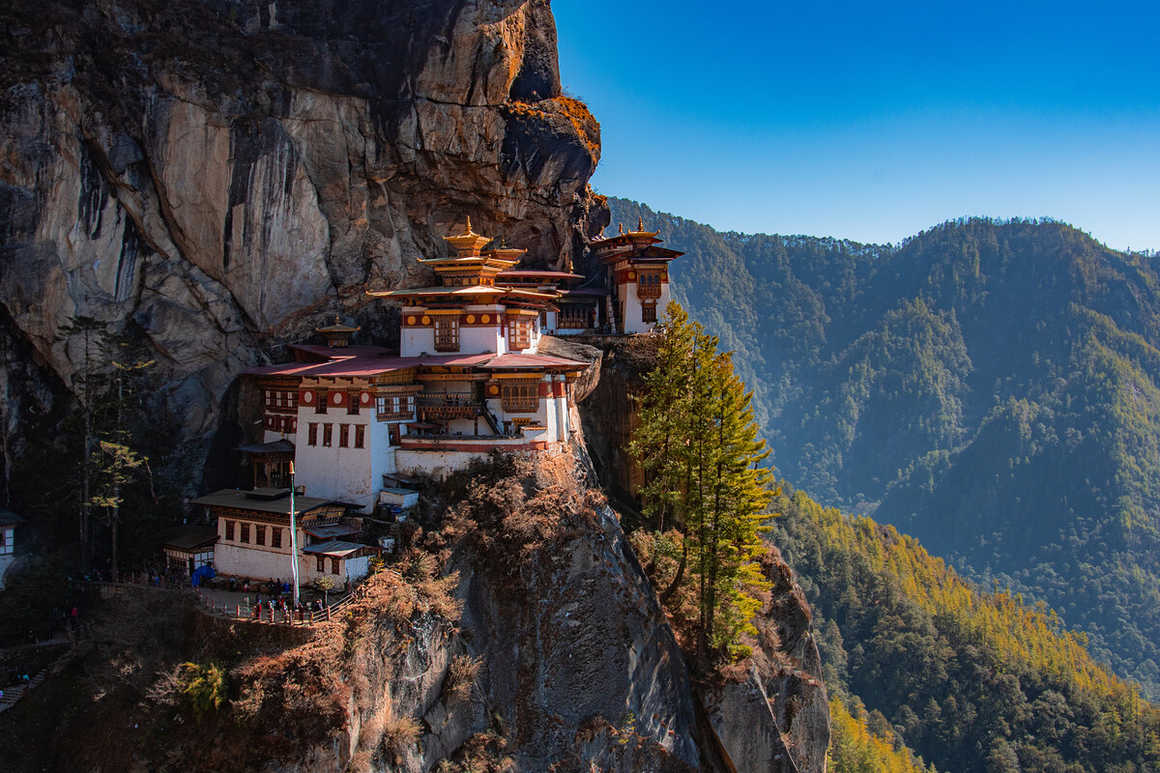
x: 989, y: 387
x: 203, y: 686
x: 697, y: 443
x: 972, y: 681
x: 855, y: 748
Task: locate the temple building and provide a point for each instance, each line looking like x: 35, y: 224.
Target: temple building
x: 253, y: 536
x: 468, y: 379
x: 638, y: 277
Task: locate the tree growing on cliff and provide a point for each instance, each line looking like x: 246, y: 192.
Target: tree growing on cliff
x: 703, y: 462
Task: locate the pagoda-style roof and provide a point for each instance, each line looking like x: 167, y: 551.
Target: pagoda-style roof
x: 337, y: 327
x: 473, y: 294
x: 638, y: 238
x: 468, y: 242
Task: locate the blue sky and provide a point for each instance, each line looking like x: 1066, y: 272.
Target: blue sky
x: 873, y: 121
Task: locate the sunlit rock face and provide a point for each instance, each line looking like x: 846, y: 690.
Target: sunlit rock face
x: 219, y: 175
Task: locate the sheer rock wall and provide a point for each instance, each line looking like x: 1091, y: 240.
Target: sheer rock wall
x: 217, y: 176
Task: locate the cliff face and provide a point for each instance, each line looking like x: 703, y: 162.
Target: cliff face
x: 215, y: 176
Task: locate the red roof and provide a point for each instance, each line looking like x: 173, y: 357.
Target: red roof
x: 530, y: 361
x: 344, y: 362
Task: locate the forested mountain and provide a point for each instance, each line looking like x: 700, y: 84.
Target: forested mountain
x: 990, y: 388
x: 971, y: 681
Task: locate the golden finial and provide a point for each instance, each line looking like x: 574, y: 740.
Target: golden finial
x: 640, y: 223
x: 620, y: 228
x: 468, y: 224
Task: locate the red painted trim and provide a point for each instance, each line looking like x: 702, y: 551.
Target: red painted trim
x: 558, y: 388
x: 545, y: 389
x: 418, y: 445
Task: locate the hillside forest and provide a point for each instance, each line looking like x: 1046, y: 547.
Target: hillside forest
x: 990, y: 388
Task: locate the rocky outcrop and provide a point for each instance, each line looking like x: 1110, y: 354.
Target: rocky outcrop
x: 216, y: 175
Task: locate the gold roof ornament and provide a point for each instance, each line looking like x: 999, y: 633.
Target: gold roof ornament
x: 337, y: 327
x: 620, y: 228
x: 640, y: 233
x: 469, y: 243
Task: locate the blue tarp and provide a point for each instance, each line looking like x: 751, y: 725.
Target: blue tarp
x: 201, y: 574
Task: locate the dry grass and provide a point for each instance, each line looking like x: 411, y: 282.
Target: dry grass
x: 461, y: 677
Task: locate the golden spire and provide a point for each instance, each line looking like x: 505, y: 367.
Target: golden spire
x: 620, y: 228
x: 640, y: 223
x: 468, y: 243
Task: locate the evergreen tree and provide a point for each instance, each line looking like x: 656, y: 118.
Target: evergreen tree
x: 697, y: 443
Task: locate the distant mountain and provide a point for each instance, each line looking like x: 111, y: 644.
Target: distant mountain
x: 992, y: 388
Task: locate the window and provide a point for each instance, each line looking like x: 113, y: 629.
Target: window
x: 394, y: 407
x: 320, y: 399
x: 521, y: 396
x: 360, y: 436
x: 312, y: 434
x: 648, y: 284
x: 352, y: 399
x: 446, y: 334
x: 229, y: 531
x: 275, y: 537
x: 327, y: 434
x: 292, y: 399
x: 648, y: 312
x: 321, y: 565
x: 521, y: 333
x: 334, y: 566
x: 344, y: 436
x: 269, y: 398
x: 278, y: 399
x: 259, y: 535
x: 246, y: 533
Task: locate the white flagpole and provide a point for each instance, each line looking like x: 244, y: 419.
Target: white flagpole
x: 293, y: 539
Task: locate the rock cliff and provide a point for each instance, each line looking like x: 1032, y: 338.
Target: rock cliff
x: 215, y: 176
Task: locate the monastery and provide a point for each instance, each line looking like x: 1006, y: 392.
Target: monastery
x: 468, y: 379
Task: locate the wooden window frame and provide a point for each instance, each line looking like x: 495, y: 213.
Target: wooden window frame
x: 312, y: 434
x: 446, y: 333
x: 260, y: 534
x: 344, y: 436
x: 360, y: 436
x: 244, y: 533
x: 648, y: 312
x: 520, y: 333
x: 352, y: 402
x: 520, y: 396
x: 320, y: 565
x: 276, y: 537
x: 321, y: 398
x: 334, y: 567
x: 229, y: 531
x: 327, y: 435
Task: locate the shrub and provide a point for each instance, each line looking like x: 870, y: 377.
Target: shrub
x: 460, y: 677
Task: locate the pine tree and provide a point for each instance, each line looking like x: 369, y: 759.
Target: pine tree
x: 697, y: 443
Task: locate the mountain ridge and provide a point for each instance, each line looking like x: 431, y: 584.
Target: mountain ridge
x: 989, y: 387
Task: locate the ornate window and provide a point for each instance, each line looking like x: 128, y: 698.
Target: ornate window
x: 446, y: 334
x: 394, y: 407
x: 312, y: 434
x: 327, y: 435
x: 334, y: 566
x: 321, y: 565
x: 344, y: 436
x: 352, y: 398
x: 648, y: 312
x: 521, y: 396
x: 320, y: 400
x: 360, y: 436
x: 520, y: 333
x: 229, y: 531
x: 648, y: 284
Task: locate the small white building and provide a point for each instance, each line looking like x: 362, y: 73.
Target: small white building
x: 8, y: 523
x: 253, y: 537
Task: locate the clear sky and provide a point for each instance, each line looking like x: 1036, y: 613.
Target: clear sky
x: 872, y: 121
